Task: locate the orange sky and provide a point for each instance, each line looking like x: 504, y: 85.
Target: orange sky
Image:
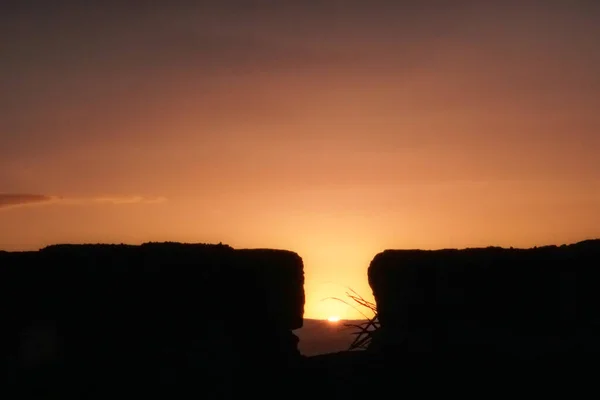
x: 334, y: 131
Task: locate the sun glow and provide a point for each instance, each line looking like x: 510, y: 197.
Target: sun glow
x: 333, y: 319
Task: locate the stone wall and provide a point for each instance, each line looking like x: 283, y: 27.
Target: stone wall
x: 166, y: 315
x: 512, y: 301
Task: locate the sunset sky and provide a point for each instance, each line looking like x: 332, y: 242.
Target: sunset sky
x: 335, y: 129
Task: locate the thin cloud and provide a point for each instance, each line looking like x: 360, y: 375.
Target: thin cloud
x: 123, y: 200
x: 10, y: 200
x: 22, y: 199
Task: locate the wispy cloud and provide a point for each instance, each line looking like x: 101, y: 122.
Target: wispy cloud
x: 115, y: 200
x: 14, y: 200
x: 22, y: 199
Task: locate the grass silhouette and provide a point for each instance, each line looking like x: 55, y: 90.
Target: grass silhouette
x: 364, y: 330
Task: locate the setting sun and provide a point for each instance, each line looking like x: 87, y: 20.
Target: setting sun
x: 266, y: 136
x: 333, y: 318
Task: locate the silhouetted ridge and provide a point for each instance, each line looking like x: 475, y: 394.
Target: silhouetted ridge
x: 167, y: 314
x: 524, y: 302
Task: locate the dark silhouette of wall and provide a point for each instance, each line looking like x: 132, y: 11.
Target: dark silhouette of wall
x: 524, y: 303
x: 157, y: 316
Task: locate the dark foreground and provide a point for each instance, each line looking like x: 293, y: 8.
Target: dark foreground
x: 347, y: 375
x: 209, y: 321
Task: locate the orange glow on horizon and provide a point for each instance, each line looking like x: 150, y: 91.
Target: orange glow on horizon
x: 333, y: 131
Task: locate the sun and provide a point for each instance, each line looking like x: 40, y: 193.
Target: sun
x: 333, y: 319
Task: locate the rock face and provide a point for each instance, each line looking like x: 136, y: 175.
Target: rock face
x: 98, y: 317
x: 522, y: 303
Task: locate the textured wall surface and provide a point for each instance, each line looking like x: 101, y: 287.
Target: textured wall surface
x: 100, y: 314
x: 520, y: 301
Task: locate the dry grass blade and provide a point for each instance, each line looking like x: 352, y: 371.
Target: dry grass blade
x: 364, y: 331
x: 348, y: 304
x: 361, y: 343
